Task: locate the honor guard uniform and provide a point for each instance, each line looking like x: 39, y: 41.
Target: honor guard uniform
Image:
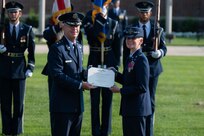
x: 144, y: 13
x: 14, y: 69
x: 66, y: 70
x: 100, y: 126
x: 119, y: 15
x: 135, y: 96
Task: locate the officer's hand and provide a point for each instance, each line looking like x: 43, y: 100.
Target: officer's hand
x: 85, y: 74
x: 115, y: 89
x: 2, y: 48
x: 29, y: 73
x: 156, y: 54
x: 113, y: 69
x: 87, y: 86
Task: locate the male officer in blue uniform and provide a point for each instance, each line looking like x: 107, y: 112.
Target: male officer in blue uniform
x: 52, y: 34
x: 100, y: 124
x: 144, y: 13
x: 119, y: 15
x: 19, y: 37
x: 135, y: 96
x: 65, y: 68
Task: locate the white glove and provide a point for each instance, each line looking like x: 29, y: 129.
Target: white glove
x: 2, y: 48
x: 156, y: 54
x: 29, y: 73
x: 104, y: 11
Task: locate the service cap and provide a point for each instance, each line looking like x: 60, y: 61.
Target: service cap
x: 71, y: 18
x: 144, y: 6
x: 13, y: 6
x: 133, y: 32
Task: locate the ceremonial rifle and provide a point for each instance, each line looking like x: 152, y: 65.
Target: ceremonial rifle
x: 157, y: 29
x: 2, y: 22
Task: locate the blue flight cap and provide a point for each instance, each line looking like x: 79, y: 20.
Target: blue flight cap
x: 71, y: 18
x: 144, y: 6
x: 133, y: 32
x: 13, y: 6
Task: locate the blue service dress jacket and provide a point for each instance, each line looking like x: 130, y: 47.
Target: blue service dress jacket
x: 67, y: 73
x: 13, y: 63
x: 155, y: 64
x: 135, y: 97
x: 92, y: 30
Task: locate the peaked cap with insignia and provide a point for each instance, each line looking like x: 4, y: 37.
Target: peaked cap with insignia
x: 13, y: 6
x: 72, y: 18
x: 133, y: 32
x: 144, y: 6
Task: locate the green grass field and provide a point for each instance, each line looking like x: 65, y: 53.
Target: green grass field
x: 179, y: 100
x: 191, y: 41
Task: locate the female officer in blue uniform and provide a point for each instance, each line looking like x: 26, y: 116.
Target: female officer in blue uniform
x: 14, y: 69
x: 154, y: 56
x: 135, y: 98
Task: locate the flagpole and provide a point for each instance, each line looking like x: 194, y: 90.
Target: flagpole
x: 102, y: 55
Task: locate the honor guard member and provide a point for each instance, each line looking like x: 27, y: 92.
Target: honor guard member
x: 119, y: 15
x: 144, y: 13
x: 65, y: 68
x: 135, y: 98
x: 100, y: 126
x: 14, y: 69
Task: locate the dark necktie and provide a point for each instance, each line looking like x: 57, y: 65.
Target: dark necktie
x: 75, y: 50
x: 14, y: 33
x: 145, y: 33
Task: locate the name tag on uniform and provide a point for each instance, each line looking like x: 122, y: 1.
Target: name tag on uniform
x: 68, y: 61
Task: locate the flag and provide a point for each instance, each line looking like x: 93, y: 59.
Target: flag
x: 99, y: 5
x: 60, y: 7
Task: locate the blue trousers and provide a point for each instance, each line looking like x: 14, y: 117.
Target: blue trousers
x: 134, y: 125
x: 101, y: 128
x: 12, y: 95
x: 150, y: 119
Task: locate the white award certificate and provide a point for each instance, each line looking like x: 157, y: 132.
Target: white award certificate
x: 101, y: 77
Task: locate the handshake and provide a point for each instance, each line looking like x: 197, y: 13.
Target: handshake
x: 2, y: 48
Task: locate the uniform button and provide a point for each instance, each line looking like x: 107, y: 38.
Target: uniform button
x: 12, y: 62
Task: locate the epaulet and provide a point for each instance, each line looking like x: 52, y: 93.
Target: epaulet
x: 59, y: 42
x: 140, y: 54
x: 26, y: 25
